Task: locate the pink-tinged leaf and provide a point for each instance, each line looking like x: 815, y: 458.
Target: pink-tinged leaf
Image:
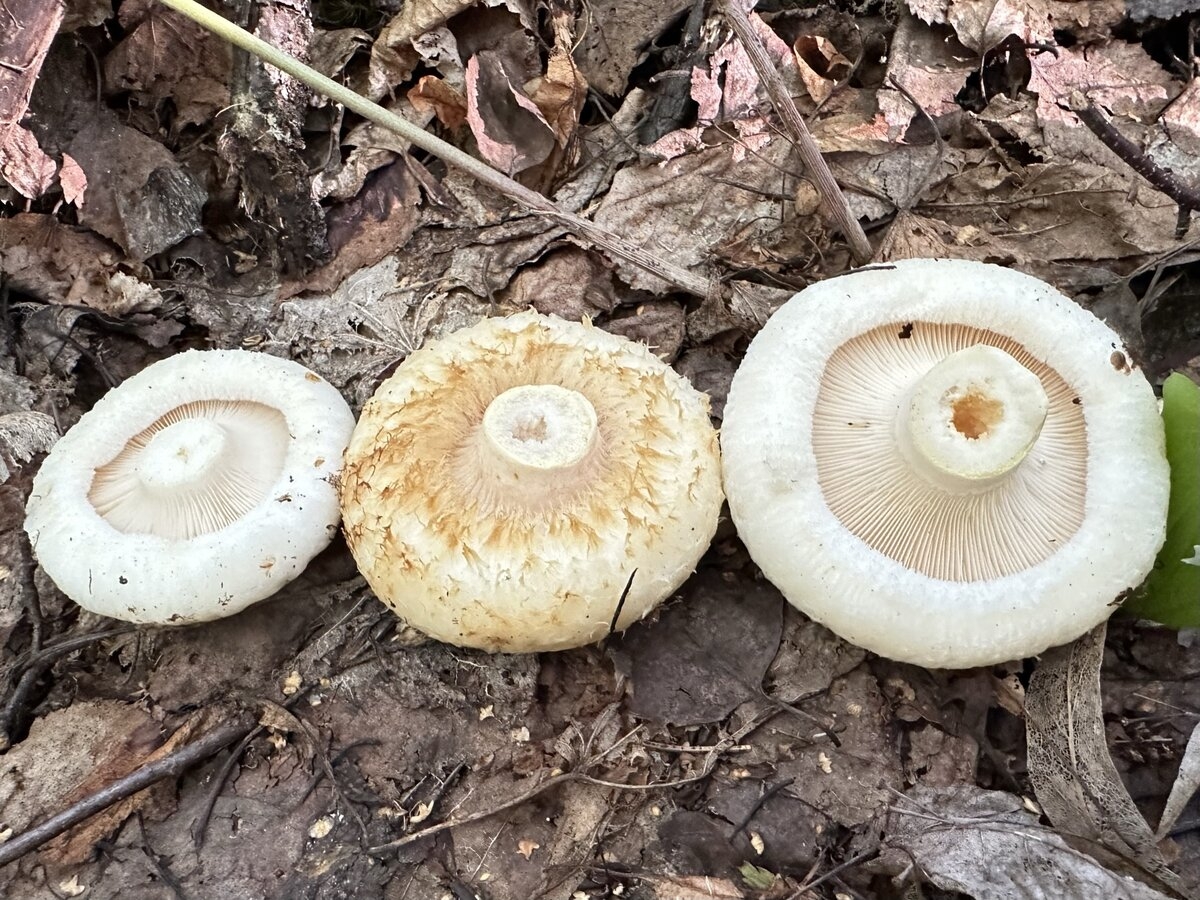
x: 1119, y: 77
x: 73, y: 180
x: 1182, y: 119
x: 511, y: 132
x: 25, y: 165
x: 933, y: 87
x: 821, y: 65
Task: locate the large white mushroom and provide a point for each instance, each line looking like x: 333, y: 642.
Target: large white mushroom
x: 202, y: 484
x: 507, y: 483
x: 946, y: 462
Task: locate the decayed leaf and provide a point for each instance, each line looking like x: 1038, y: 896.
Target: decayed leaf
x: 46, y: 772
x: 987, y: 845
x: 821, y: 65
x: 696, y: 887
x: 28, y: 27
x: 139, y: 196
x: 616, y: 37
x: 1187, y: 783
x: 434, y: 95
x: 560, y: 93
x: 702, y: 658
x: 1072, y: 772
x: 1172, y: 591
x: 720, y: 201
x: 511, y: 131
x: 1122, y: 78
x: 23, y: 435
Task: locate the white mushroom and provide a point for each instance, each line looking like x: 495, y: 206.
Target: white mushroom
x: 507, y: 483
x: 199, y: 486
x: 946, y: 462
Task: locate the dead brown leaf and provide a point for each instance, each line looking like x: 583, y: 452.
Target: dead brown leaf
x: 167, y: 57
x: 510, y: 130
x: 139, y: 196
x: 25, y: 39
x: 696, y: 887
x: 1072, y: 772
x: 702, y: 658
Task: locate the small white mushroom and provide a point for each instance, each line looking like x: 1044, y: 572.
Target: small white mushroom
x: 946, y: 462
x: 506, y: 483
x: 200, y: 485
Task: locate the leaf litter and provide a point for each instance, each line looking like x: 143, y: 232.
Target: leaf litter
x: 727, y: 748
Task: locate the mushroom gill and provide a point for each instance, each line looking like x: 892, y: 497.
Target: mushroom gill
x: 930, y: 527
x: 196, y: 469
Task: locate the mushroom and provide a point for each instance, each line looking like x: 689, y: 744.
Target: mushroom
x: 202, y: 484
x: 945, y: 462
x: 513, y: 485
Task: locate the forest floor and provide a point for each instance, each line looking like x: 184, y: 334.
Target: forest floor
x: 165, y: 192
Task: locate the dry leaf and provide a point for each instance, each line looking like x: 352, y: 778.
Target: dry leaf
x: 987, y: 845
x: 821, y: 65
x: 696, y: 887
x: 24, y: 435
x: 1187, y: 782
x: 1072, y: 772
x: 511, y: 132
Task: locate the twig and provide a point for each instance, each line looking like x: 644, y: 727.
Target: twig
x: 531, y: 200
x: 710, y: 763
x: 36, y: 664
x: 835, y: 871
x: 169, y: 766
x: 759, y: 804
x: 810, y: 153
x: 1131, y: 154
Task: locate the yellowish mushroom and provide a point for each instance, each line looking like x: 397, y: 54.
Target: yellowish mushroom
x: 508, y: 483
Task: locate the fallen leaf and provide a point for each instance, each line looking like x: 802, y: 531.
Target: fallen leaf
x: 25, y: 165
x: 1073, y: 774
x: 29, y: 28
x: 511, y: 131
x: 1187, y: 783
x: 24, y: 435
x: 73, y: 180
x: 139, y: 196
x: 433, y: 95
x: 696, y: 887
x: 703, y: 657
x: 988, y: 846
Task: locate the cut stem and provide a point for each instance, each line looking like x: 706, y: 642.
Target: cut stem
x: 971, y: 419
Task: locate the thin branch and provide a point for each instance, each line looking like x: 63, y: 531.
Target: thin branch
x: 1131, y: 154
x: 681, y: 278
x: 810, y: 154
x: 169, y: 766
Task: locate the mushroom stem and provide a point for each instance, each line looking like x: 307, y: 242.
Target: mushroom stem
x: 535, y: 433
x: 182, y: 455
x: 971, y: 419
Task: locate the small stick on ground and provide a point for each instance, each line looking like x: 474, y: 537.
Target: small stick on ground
x: 1162, y: 179
x: 810, y: 154
x: 169, y: 766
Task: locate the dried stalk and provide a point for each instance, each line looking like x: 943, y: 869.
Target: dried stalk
x: 418, y: 137
x: 810, y: 153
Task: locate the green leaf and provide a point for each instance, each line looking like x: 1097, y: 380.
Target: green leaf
x: 756, y: 877
x: 1171, y: 594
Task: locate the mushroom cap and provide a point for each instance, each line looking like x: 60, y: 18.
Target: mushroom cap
x: 502, y: 487
x: 200, y: 485
x: 888, y: 559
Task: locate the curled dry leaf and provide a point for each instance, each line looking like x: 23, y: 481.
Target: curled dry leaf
x: 1072, y: 772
